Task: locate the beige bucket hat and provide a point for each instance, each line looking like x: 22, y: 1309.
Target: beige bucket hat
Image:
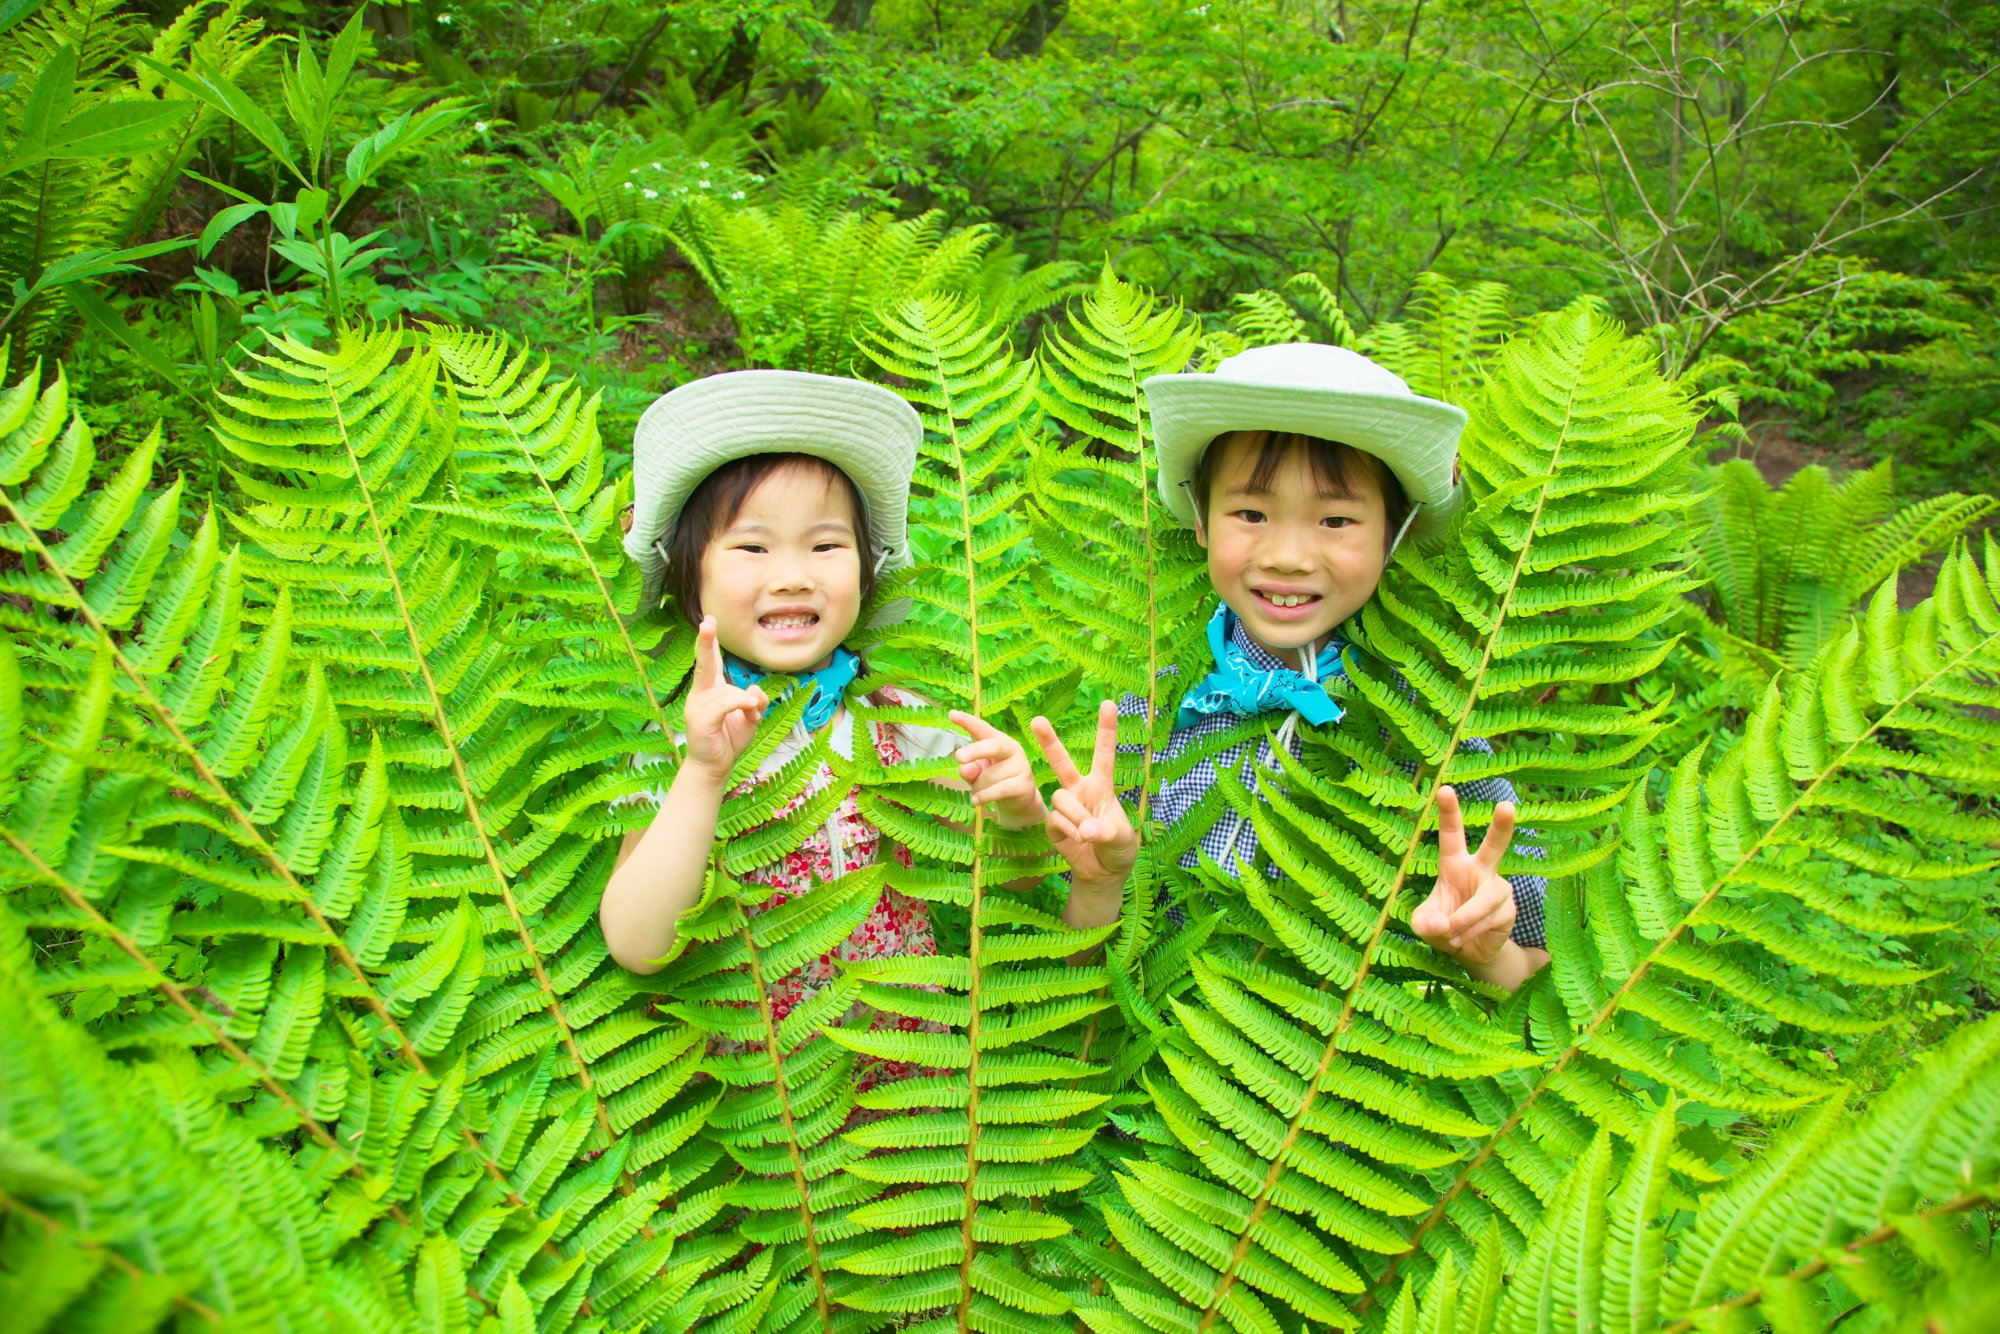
x: 1314, y: 389
x: 865, y: 430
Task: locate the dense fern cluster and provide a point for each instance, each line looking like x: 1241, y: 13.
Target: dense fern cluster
x: 307, y: 802
x: 60, y: 217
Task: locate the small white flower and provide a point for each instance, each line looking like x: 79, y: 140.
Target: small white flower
x: 628, y: 185
x: 735, y: 194
x: 703, y: 184
x: 702, y: 164
x: 656, y: 167
x: 479, y: 127
x: 444, y: 18
x: 650, y: 194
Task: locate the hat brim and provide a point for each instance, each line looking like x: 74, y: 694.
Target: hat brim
x: 865, y: 430
x: 1416, y: 437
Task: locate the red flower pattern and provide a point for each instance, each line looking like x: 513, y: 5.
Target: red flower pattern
x: 897, y: 925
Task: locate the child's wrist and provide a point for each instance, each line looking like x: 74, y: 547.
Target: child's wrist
x: 1497, y: 962
x: 703, y: 777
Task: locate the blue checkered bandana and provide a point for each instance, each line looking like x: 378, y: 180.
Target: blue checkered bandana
x: 1247, y: 687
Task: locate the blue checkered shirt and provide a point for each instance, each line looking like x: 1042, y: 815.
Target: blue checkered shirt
x: 1234, y: 835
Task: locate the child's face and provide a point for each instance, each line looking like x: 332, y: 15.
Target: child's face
x: 1291, y: 560
x: 783, y: 580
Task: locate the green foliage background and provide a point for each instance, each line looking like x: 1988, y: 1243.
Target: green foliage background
x: 323, y: 674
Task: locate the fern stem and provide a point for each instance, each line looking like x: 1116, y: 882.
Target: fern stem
x: 1611, y: 1006
x: 237, y: 814
x: 442, y: 723
x: 158, y: 978
x: 583, y: 551
x: 1813, y: 1268
x: 974, y: 703
x: 972, y: 949
x: 821, y: 1300
x: 1152, y: 593
x: 11, y: 1205
x: 1425, y: 808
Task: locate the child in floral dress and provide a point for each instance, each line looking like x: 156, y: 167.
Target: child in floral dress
x: 767, y: 503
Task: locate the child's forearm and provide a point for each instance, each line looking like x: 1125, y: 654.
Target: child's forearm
x: 661, y: 875
x: 1511, y: 967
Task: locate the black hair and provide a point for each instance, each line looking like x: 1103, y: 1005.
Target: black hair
x: 1335, y: 467
x: 714, y: 504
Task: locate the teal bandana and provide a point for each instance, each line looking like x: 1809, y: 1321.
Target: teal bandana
x: 829, y: 683
x: 1242, y: 687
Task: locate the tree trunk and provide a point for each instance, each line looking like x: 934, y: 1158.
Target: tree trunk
x: 1032, y: 29
x: 850, y: 15
x: 732, y: 69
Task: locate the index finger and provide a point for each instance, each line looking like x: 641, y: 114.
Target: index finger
x: 1494, y: 846
x: 1105, y: 754
x: 1451, y: 824
x: 707, y: 655
x: 975, y: 726
x: 1054, y: 752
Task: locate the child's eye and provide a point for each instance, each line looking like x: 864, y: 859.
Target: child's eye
x: 1250, y: 516
x: 1336, y: 521
x: 753, y: 548
x: 831, y: 546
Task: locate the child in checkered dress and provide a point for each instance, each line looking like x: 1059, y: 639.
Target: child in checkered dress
x: 1301, y: 469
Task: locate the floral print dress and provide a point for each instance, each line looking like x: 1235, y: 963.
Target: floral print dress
x: 897, y: 925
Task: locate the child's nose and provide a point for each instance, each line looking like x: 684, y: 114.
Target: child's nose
x: 791, y: 577
x: 1287, y: 550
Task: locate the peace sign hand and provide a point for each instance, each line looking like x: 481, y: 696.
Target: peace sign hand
x: 720, y: 717
x: 1086, y: 823
x: 1470, y: 913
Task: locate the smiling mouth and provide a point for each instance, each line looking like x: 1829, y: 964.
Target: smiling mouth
x: 791, y: 620
x: 1287, y: 600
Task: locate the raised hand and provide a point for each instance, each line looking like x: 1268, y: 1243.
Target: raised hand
x: 720, y: 716
x: 1086, y: 823
x: 1470, y: 913
x: 997, y: 768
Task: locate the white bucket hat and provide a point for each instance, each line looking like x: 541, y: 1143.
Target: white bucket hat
x: 865, y: 430
x: 1313, y: 389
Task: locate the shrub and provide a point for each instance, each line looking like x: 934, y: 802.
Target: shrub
x: 309, y: 801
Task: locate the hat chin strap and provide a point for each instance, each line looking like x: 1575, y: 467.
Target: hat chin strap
x: 1408, y: 519
x: 1200, y: 520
